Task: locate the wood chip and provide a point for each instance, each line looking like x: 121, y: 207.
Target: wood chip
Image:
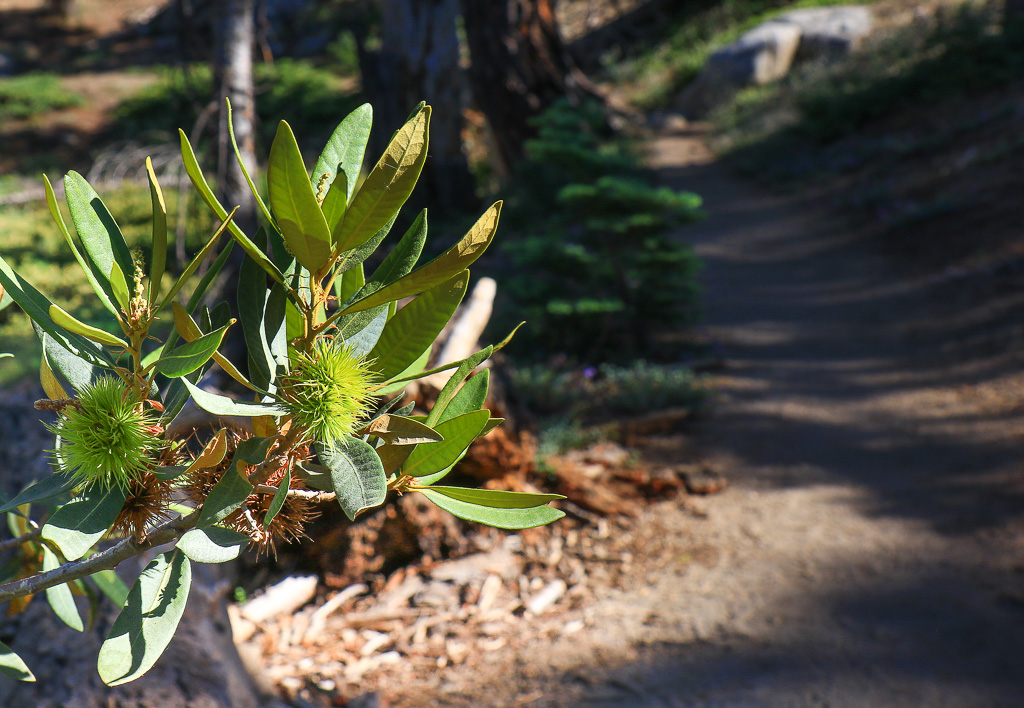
x: 546, y: 598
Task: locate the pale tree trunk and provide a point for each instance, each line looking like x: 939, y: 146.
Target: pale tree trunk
x: 234, y: 80
x: 419, y: 61
x: 519, y: 67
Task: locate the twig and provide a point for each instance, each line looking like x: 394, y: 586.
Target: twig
x: 23, y: 538
x: 310, y: 494
x: 106, y: 560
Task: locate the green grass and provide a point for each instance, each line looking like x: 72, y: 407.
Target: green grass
x: 28, y: 95
x: 655, y: 74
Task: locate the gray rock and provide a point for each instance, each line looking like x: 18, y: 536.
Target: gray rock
x: 829, y: 32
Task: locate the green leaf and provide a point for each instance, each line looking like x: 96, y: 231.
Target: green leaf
x: 99, y: 282
x: 227, y: 495
x: 500, y: 518
x: 349, y: 283
x: 104, y: 245
x: 335, y: 200
x: 222, y: 405
x: 416, y: 326
x: 403, y: 257
x: 214, y: 544
x: 245, y: 170
x: 448, y: 264
x: 361, y: 331
x: 471, y: 397
x: 59, y: 596
x: 388, y: 185
x: 191, y: 355
x: 294, y: 204
x: 344, y: 151
x: 400, y: 430
x: 357, y: 474
x: 458, y: 434
x: 75, y: 527
x: 46, y: 488
x: 491, y: 425
x: 12, y: 665
x: 37, y: 307
x: 497, y: 498
x: 448, y: 391
x: 71, y: 324
x: 355, y: 256
x: 279, y: 498
x: 111, y: 585
x: 193, y: 266
x: 253, y: 294
x: 148, y: 621
x: 411, y: 372
x: 195, y: 174
x: 156, y: 268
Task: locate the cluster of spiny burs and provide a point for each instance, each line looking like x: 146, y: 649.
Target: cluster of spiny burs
x: 329, y: 348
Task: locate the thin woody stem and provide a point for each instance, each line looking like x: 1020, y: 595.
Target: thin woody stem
x: 23, y: 538
x: 109, y: 559
x: 308, y: 494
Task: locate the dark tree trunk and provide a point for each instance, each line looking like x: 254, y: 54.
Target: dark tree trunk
x: 519, y: 67
x: 419, y: 61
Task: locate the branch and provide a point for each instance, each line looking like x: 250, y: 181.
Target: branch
x: 23, y: 538
x: 106, y: 560
x: 310, y: 494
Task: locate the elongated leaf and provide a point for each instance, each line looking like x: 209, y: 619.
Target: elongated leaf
x: 500, y: 518
x: 412, y: 371
x: 403, y: 257
x: 458, y: 434
x: 491, y: 425
x: 470, y: 397
x: 213, y: 453
x: 148, y: 621
x: 335, y: 200
x: 252, y: 303
x: 387, y: 186
x: 349, y: 283
x: 222, y: 405
x: 46, y: 488
x: 279, y: 498
x: 448, y: 264
x: 357, y: 474
x: 360, y: 332
x: 215, y: 544
x: 399, y: 430
x: 416, y: 326
x: 355, y: 256
x: 393, y: 456
x: 191, y: 355
x: 245, y: 170
x: 294, y: 204
x: 99, y: 282
x: 156, y: 268
x: 227, y: 495
x: 62, y: 318
x: 59, y: 596
x: 498, y: 498
x: 111, y: 585
x: 37, y: 307
x: 12, y: 665
x: 193, y: 266
x: 51, y: 386
x: 195, y: 174
x: 450, y: 388
x: 190, y: 332
x: 75, y: 527
x: 75, y: 370
x: 344, y: 151
x: 104, y: 245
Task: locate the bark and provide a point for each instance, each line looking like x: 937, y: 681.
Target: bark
x: 419, y: 61
x: 519, y: 67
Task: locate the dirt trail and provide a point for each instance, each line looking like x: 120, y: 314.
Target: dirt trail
x: 868, y: 552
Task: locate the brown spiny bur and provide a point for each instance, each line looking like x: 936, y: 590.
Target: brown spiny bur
x: 146, y: 504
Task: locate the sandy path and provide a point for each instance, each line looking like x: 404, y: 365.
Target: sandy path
x: 868, y: 552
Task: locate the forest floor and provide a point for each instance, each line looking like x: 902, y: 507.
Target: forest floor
x: 867, y: 551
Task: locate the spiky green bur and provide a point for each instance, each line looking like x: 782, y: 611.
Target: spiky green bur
x: 104, y: 438
x: 328, y: 391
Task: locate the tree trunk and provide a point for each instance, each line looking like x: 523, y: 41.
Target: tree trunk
x: 519, y: 67
x: 419, y: 61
